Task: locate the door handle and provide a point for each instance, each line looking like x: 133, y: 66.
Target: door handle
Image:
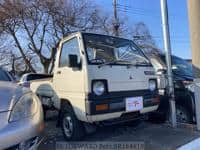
x: 58, y: 72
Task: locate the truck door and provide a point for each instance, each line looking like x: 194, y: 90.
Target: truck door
x: 68, y: 81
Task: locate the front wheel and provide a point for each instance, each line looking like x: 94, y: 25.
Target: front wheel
x: 72, y: 128
x: 183, y: 115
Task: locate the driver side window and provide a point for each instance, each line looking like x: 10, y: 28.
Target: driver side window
x: 70, y: 47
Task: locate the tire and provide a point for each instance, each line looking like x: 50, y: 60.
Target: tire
x: 73, y: 129
x: 183, y: 115
x: 157, y: 117
x: 45, y: 113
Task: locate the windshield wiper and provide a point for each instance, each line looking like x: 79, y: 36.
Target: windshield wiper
x: 113, y: 62
x: 139, y: 63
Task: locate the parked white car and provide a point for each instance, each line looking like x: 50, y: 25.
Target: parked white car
x: 21, y: 116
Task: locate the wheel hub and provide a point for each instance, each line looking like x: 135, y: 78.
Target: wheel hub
x: 68, y: 126
x: 181, y: 116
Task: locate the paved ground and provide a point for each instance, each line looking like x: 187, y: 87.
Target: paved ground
x: 155, y: 136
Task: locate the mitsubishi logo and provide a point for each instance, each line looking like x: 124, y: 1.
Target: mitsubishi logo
x: 130, y: 77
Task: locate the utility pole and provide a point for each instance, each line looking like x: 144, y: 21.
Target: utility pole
x: 194, y: 21
x: 167, y: 47
x: 116, y: 19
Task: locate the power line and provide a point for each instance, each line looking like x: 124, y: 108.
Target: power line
x: 137, y: 9
x: 142, y: 9
x: 143, y: 12
x: 136, y: 12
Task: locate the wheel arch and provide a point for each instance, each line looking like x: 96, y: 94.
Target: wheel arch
x: 65, y: 102
x: 78, y: 113
x: 185, y: 99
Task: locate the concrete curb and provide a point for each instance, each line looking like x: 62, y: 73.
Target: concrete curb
x: 193, y: 145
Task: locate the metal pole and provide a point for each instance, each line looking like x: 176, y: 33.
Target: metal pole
x: 116, y: 21
x: 167, y: 47
x: 194, y: 21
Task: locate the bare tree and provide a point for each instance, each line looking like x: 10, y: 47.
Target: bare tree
x: 143, y: 38
x: 14, y: 62
x: 37, y: 25
x: 10, y: 25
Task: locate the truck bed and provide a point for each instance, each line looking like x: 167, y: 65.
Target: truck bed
x: 42, y: 87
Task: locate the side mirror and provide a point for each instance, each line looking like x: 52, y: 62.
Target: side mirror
x: 73, y: 61
x: 161, y: 71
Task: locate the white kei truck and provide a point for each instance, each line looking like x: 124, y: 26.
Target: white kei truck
x: 98, y: 79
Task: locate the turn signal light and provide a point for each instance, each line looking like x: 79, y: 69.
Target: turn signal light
x: 156, y: 99
x: 101, y: 107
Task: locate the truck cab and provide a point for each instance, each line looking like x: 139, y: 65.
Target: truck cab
x: 101, y: 79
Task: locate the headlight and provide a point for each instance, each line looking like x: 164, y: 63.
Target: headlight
x: 98, y: 88
x: 161, y: 82
x: 25, y: 107
x: 152, y: 85
x: 190, y: 87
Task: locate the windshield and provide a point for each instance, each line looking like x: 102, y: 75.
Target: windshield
x: 103, y: 49
x: 181, y: 66
x: 4, y: 76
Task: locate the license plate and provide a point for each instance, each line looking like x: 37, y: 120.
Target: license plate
x: 134, y: 103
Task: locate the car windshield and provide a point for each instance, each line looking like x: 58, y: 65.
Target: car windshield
x: 4, y: 76
x: 181, y: 66
x: 103, y: 49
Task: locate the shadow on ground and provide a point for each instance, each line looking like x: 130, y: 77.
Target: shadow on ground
x: 155, y: 136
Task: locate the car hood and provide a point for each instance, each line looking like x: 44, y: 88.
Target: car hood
x: 10, y: 94
x: 183, y: 77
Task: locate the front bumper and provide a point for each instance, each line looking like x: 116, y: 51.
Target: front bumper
x: 117, y: 105
x: 15, y: 133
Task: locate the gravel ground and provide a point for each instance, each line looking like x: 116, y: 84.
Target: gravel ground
x: 154, y: 136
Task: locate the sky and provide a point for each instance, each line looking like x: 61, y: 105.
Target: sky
x: 148, y: 11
